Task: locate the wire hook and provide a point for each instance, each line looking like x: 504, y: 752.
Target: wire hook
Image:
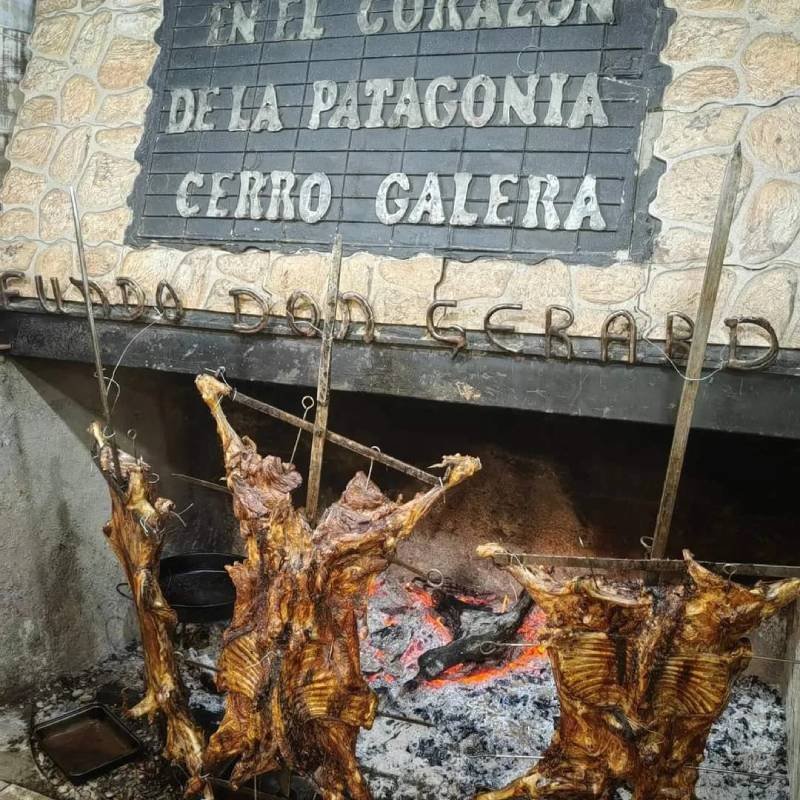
x: 372, y: 462
x: 308, y: 403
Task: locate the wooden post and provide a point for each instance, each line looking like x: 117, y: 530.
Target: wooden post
x: 324, y: 383
x: 697, y: 353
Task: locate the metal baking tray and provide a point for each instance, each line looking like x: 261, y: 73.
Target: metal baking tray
x: 87, y: 742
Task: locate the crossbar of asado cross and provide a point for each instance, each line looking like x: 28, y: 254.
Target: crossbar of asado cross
x: 662, y: 565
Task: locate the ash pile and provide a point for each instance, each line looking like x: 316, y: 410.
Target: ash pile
x: 462, y: 730
x: 480, y: 717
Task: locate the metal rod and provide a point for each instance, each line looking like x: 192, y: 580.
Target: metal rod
x: 697, y: 769
x: 409, y: 720
x: 647, y: 565
x: 216, y: 487
x: 336, y: 438
x: 697, y: 353
x: 98, y: 361
x: 324, y: 383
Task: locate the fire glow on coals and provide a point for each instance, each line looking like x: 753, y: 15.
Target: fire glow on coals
x: 509, y: 706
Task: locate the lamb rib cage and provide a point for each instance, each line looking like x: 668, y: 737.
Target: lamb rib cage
x: 136, y: 535
x: 641, y: 675
x: 291, y: 665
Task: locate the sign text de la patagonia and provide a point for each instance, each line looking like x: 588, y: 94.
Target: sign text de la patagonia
x: 465, y: 124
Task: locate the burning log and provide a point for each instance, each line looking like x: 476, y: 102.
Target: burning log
x: 136, y: 535
x: 642, y: 675
x: 290, y: 664
x: 476, y: 630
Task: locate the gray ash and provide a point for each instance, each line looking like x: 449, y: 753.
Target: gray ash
x: 482, y: 717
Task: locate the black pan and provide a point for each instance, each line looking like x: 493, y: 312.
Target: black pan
x: 197, y: 586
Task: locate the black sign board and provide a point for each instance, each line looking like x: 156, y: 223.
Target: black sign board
x: 459, y: 127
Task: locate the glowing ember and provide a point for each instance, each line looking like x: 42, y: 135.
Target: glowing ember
x: 428, y: 630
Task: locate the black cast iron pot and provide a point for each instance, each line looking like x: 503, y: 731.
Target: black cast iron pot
x: 198, y: 587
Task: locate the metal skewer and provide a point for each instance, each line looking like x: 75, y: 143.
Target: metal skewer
x: 644, y: 564
x: 98, y: 361
x: 324, y: 383
x: 697, y: 353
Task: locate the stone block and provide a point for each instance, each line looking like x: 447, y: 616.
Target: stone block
x: 704, y: 39
x: 106, y: 226
x: 771, y: 221
x: 120, y: 141
x: 609, y: 285
x: 127, y: 64
x: 251, y: 267
x: 52, y: 35
x: 130, y: 107
x: 55, y: 216
x: 689, y: 189
x: 476, y: 286
x: 401, y: 290
x: 43, y: 76
x: 699, y: 86
x: 679, y: 290
x: 107, y: 181
x: 771, y: 66
x: 537, y: 286
x: 683, y: 132
x: 103, y: 259
x: 138, y: 24
x: 70, y: 157
x: 32, y: 146
x: 17, y: 222
x: 774, y: 136
x: 17, y: 255
x: 59, y: 260
x: 677, y: 245
x: 21, y: 187
x: 770, y: 294
x: 78, y: 99
x: 707, y: 5
x: 194, y: 276
x: 784, y: 12
x: 92, y: 41
x: 149, y: 267
x: 37, y: 111
x: 46, y: 7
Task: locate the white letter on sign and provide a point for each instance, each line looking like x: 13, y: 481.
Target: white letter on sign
x: 382, y: 200
x: 588, y: 104
x: 430, y: 203
x: 378, y: 89
x: 181, y: 201
x: 176, y: 125
x: 376, y: 26
x: 432, y: 102
x: 268, y: 115
x: 485, y: 11
x: 403, y: 25
x: 468, y: 101
x: 317, y: 180
x: 437, y: 21
x: 325, y: 93
x: 497, y: 199
x: 586, y: 205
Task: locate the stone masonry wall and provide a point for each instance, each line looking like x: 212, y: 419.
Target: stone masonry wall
x: 736, y: 75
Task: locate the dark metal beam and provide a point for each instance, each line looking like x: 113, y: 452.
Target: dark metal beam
x: 403, y: 363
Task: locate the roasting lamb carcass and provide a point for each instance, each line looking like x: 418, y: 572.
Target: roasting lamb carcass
x: 290, y: 664
x: 136, y: 535
x: 642, y: 675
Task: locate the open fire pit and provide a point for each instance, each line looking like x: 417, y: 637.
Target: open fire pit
x: 473, y: 727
